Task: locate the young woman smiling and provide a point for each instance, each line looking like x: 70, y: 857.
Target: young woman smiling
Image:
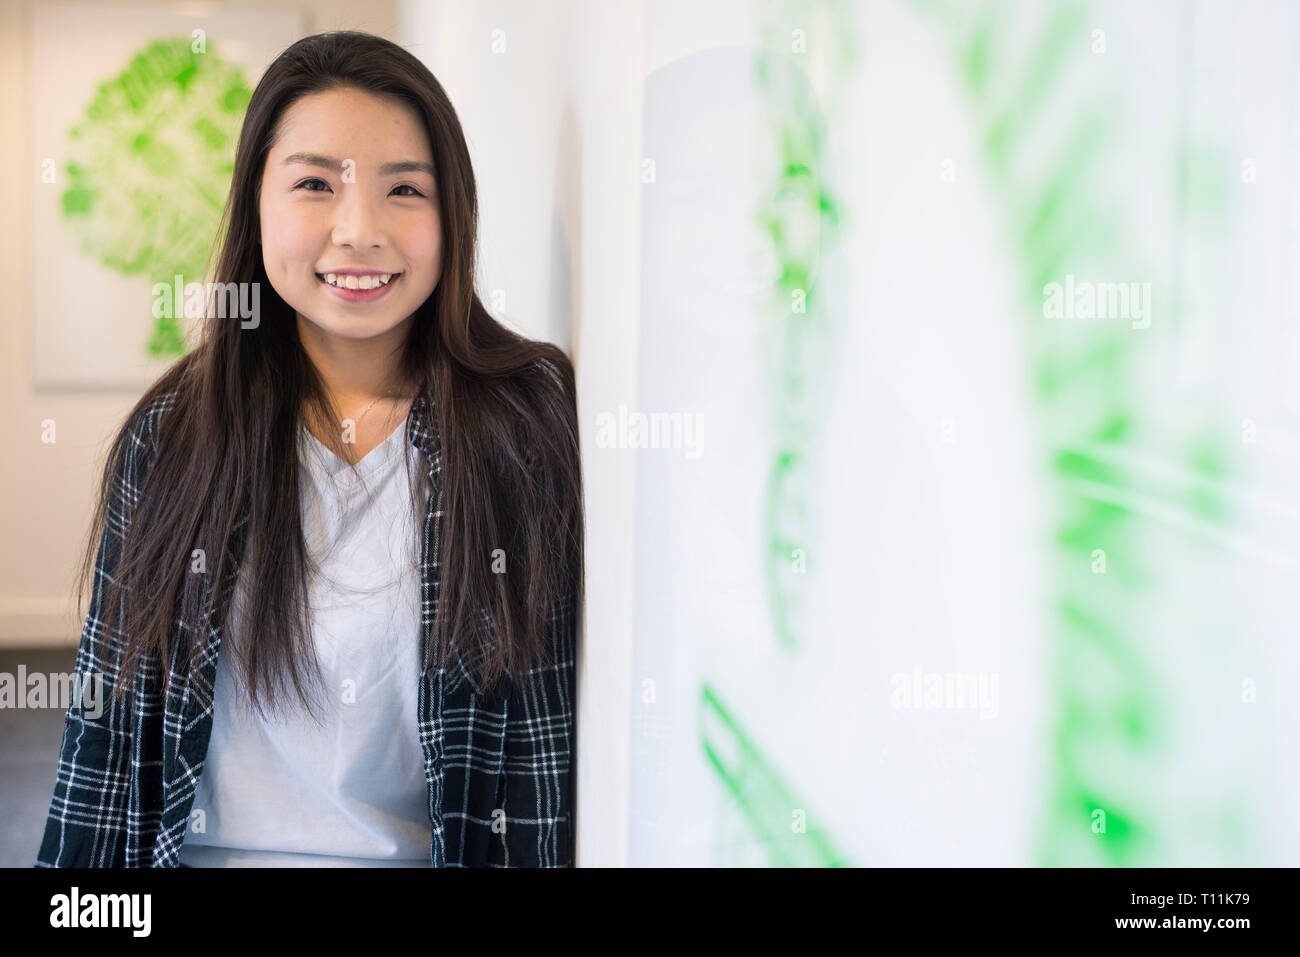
x: 375, y: 489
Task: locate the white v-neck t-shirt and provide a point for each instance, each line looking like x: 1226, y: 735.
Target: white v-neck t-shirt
x: 283, y: 791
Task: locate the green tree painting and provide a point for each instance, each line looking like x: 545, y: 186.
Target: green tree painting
x: 150, y: 166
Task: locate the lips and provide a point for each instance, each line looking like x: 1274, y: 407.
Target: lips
x: 356, y: 279
x: 359, y: 295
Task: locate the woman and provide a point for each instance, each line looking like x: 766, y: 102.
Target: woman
x: 385, y: 482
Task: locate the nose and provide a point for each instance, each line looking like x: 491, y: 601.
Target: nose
x: 357, y: 224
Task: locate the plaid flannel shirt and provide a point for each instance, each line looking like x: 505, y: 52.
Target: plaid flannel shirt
x: 127, y: 779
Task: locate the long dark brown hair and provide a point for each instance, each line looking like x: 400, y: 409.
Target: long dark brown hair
x: 504, y: 407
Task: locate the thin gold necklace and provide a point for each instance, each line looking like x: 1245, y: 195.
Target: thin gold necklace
x: 372, y: 405
x: 369, y: 407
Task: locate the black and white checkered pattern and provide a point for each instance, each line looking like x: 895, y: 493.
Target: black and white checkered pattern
x: 497, y: 766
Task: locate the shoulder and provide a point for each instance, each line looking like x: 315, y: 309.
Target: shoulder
x: 143, y: 425
x: 554, y: 368
x: 139, y: 437
x: 550, y: 388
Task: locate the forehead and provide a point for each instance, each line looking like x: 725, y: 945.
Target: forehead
x: 352, y: 123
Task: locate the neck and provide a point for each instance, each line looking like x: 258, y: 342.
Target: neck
x: 357, y: 370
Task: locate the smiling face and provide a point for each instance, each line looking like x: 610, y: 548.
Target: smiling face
x: 348, y: 189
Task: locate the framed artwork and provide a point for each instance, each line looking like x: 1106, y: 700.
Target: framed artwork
x: 134, y: 140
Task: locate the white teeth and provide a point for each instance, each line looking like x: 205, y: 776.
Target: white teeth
x: 357, y: 282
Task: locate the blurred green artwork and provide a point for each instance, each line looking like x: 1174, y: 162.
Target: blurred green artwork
x: 1116, y: 794
x: 150, y: 165
x: 799, y: 214
x: 779, y: 829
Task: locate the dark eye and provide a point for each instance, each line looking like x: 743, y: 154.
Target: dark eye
x: 413, y: 190
x: 314, y: 179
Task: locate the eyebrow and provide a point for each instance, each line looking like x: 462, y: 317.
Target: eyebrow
x: 330, y: 163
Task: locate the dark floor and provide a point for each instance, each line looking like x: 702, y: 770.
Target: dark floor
x: 29, y: 758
